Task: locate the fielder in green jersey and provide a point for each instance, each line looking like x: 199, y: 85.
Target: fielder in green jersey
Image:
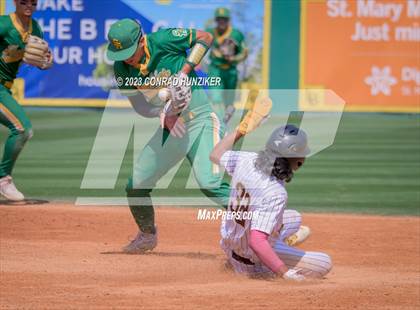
x: 15, y: 29
x: 227, y: 51
x: 189, y: 127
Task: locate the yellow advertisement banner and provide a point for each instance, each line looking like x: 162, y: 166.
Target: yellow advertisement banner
x: 367, y: 51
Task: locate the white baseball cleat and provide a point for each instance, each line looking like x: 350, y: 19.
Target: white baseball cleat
x: 298, y: 237
x: 142, y: 243
x: 8, y: 189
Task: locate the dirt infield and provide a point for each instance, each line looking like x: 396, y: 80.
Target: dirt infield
x: 62, y: 256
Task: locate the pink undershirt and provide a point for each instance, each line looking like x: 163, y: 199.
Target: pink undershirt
x: 258, y: 241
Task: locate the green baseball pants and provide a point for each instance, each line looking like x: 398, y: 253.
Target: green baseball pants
x: 14, y: 118
x: 163, y: 151
x: 228, y: 81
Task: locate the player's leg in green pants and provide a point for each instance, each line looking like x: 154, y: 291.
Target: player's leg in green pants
x: 223, y: 95
x: 14, y: 118
x: 162, y: 152
x: 216, y: 91
x: 208, y: 175
x: 230, y: 77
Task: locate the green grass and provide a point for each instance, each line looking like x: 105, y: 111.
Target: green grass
x: 372, y: 167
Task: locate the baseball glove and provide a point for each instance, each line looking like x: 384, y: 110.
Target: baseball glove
x: 228, y: 48
x: 37, y: 53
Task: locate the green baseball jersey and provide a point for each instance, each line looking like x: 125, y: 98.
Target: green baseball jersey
x: 230, y: 43
x: 165, y: 55
x: 12, y: 44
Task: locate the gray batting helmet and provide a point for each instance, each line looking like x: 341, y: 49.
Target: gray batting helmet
x: 288, y: 141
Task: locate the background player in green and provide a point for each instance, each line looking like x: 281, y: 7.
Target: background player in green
x: 189, y: 126
x: 227, y: 51
x: 15, y: 31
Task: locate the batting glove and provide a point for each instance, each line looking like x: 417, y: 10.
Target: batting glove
x: 254, y: 117
x: 180, y: 92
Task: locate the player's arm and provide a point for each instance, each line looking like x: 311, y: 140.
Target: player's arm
x: 225, y: 145
x: 240, y: 56
x: 262, y: 226
x: 258, y: 242
x: 3, y: 27
x: 250, y: 122
x: 242, y: 52
x: 179, y: 41
x: 203, y: 42
x: 142, y: 107
x: 137, y: 99
x: 147, y: 109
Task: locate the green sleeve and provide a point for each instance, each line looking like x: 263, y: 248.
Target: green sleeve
x: 177, y: 40
x: 242, y: 51
x: 36, y: 29
x: 241, y: 41
x: 211, y: 30
x: 3, y: 26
